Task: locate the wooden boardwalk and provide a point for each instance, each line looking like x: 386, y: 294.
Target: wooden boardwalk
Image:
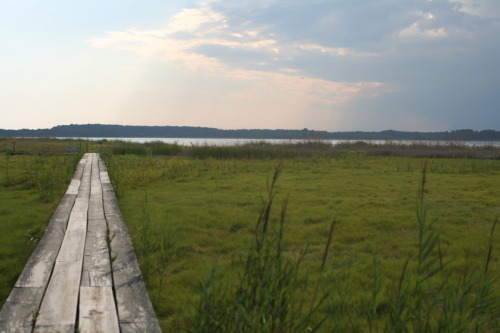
x: 83, y: 276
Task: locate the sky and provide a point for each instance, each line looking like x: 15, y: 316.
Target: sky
x: 334, y: 65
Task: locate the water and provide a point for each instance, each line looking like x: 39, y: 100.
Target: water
x: 233, y: 142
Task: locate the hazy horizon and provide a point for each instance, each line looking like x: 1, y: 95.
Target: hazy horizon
x: 327, y: 65
x: 238, y: 129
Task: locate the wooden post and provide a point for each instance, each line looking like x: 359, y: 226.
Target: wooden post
x: 14, y: 147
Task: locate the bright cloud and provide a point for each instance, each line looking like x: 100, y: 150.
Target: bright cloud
x: 197, y: 20
x: 283, y: 95
x: 415, y: 30
x: 186, y: 31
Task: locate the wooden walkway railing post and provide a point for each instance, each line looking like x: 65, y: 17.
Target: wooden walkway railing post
x: 70, y: 280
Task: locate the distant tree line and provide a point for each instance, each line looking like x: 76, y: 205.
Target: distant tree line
x: 119, y: 131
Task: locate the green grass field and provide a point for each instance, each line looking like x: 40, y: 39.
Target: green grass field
x: 193, y: 222
x: 202, y: 214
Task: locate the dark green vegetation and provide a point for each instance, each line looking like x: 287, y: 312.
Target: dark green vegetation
x: 305, y: 149
x: 118, y: 131
x: 222, y: 249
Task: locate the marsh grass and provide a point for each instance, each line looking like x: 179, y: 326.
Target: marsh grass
x: 43, y: 173
x: 42, y: 146
x: 304, y: 149
x: 425, y: 297
x: 155, y: 246
x: 372, y: 271
x: 267, y: 296
x: 423, y: 149
x: 253, y: 150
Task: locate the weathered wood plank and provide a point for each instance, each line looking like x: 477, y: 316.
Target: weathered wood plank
x: 97, y: 310
x: 96, y: 265
x: 20, y: 310
x: 105, y: 178
x: 95, y: 180
x: 79, y: 168
x: 103, y: 172
x: 96, y: 208
x: 70, y: 328
x: 86, y: 177
x: 78, y: 217
x: 96, y: 261
x: 59, y: 305
x: 73, y: 186
x: 37, y: 271
x: 73, y: 245
x: 110, y: 204
x: 134, y: 306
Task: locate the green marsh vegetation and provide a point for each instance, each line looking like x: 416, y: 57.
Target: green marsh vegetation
x: 43, y: 146
x: 404, y: 254
x: 410, y: 251
x: 31, y: 186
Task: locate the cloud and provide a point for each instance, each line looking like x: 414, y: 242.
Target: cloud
x: 416, y: 29
x: 192, y: 35
x: 334, y: 63
x: 204, y: 35
x: 197, y: 20
x: 484, y: 8
x: 185, y: 33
